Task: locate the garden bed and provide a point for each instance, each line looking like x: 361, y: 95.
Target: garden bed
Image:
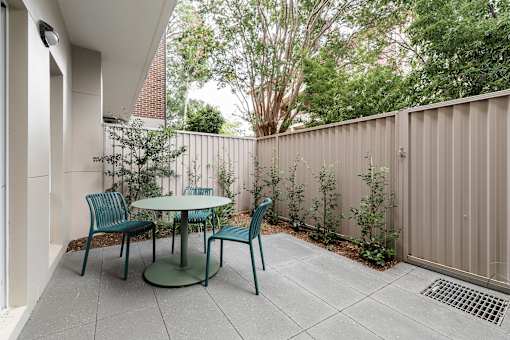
x: 340, y: 247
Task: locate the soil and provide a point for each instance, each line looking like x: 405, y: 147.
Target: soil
x: 340, y: 247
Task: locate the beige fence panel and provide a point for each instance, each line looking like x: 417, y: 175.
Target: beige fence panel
x: 203, y: 152
x: 457, y: 186
x: 344, y: 146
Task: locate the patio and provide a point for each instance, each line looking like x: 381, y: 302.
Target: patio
x: 306, y: 293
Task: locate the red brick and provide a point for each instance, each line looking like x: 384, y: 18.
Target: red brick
x: 151, y: 102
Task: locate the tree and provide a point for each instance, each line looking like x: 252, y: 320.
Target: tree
x: 465, y: 46
x: 142, y: 156
x: 262, y: 46
x: 333, y: 95
x: 189, y: 43
x: 203, y: 117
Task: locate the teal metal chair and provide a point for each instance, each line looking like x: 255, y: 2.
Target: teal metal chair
x: 242, y: 235
x: 109, y: 214
x: 196, y: 216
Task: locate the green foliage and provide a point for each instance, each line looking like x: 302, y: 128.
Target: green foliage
x: 257, y: 186
x: 231, y: 128
x: 324, y: 207
x: 189, y: 45
x: 295, y: 197
x: 194, y: 174
x: 226, y: 178
x: 465, y: 48
x: 262, y: 46
x: 142, y: 156
x: 202, y: 117
x: 333, y: 95
x: 377, y: 241
x: 408, y: 53
x: 272, y: 182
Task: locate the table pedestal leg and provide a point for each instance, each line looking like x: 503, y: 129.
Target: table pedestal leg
x: 184, y: 269
x: 184, y: 239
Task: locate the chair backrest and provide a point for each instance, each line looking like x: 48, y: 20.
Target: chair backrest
x: 106, y: 209
x: 258, y: 215
x: 197, y: 191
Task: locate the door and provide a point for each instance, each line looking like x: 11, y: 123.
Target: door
x: 3, y: 106
x: 454, y: 164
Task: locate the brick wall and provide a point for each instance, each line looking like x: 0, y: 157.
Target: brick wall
x: 151, y: 102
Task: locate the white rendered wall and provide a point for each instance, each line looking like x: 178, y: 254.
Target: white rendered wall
x: 30, y: 265
x: 87, y: 136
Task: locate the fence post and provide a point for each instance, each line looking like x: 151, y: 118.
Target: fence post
x: 402, y: 150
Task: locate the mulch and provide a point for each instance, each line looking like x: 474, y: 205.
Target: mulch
x: 340, y: 247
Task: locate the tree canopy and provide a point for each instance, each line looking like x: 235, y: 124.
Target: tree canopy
x: 202, y: 117
x: 323, y: 61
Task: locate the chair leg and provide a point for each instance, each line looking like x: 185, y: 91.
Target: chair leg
x: 254, y: 269
x: 213, y: 222
x: 221, y: 253
x: 126, y: 264
x: 154, y: 243
x: 85, y: 258
x: 122, y: 244
x: 206, y: 281
x: 261, y: 253
x: 205, y: 236
x: 173, y: 238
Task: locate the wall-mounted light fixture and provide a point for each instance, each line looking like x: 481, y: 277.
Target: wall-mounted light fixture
x: 48, y: 35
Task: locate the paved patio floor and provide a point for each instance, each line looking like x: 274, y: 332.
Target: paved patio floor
x: 306, y: 293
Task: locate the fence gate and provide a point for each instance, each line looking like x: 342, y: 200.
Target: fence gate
x: 453, y: 186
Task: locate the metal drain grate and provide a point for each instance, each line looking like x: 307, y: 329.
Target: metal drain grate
x: 482, y: 305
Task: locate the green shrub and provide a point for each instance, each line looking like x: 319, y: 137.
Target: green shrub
x: 226, y: 179
x: 257, y: 186
x: 194, y: 174
x: 377, y: 240
x: 142, y: 156
x: 324, y: 208
x: 273, y: 184
x: 295, y: 197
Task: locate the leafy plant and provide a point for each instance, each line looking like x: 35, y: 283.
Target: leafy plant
x: 295, y: 197
x: 226, y: 179
x: 202, y: 117
x: 324, y: 207
x: 142, y: 156
x: 193, y: 174
x: 257, y: 186
x: 377, y: 241
x: 273, y: 184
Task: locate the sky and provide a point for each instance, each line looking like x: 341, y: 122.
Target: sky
x: 224, y: 99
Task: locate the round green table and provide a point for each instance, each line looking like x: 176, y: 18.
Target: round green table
x: 186, y: 268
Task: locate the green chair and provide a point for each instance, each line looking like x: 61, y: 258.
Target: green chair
x: 195, y: 216
x: 242, y: 235
x: 109, y: 214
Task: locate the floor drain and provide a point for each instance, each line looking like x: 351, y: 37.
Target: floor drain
x: 482, y: 305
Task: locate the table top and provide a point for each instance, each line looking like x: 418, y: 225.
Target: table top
x: 180, y: 203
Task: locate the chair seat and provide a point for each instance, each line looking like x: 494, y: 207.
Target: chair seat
x: 232, y: 233
x: 194, y: 216
x: 127, y: 226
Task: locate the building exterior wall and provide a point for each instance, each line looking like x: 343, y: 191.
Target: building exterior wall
x: 151, y: 102
x: 31, y: 257
x: 86, y: 175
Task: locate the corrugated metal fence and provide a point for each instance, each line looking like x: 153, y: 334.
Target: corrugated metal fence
x: 449, y: 166
x: 455, y: 187
x: 204, y: 152
x: 345, y: 147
